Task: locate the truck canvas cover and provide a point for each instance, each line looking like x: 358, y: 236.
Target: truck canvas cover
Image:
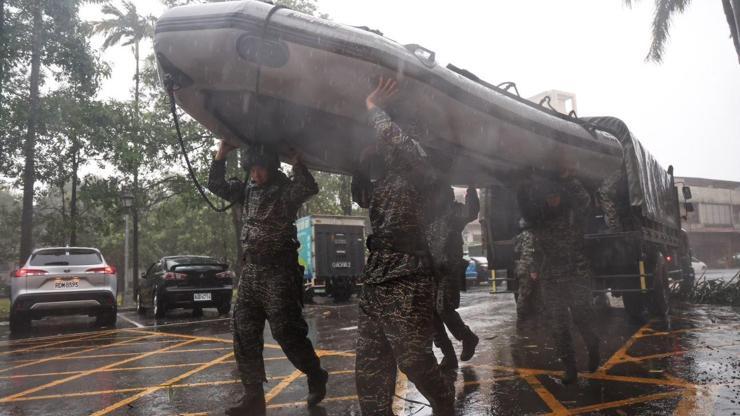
x: 650, y: 186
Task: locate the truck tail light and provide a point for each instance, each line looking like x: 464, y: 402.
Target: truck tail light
x: 174, y: 276
x: 29, y: 272
x: 104, y: 270
x: 226, y: 275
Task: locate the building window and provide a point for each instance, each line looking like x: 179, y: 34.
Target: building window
x: 715, y: 214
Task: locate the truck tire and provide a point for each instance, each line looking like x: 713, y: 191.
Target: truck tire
x: 225, y: 308
x: 660, y: 297
x: 160, y: 306
x: 634, y: 307
x: 308, y: 295
x: 341, y: 295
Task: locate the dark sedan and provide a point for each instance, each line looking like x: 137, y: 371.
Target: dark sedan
x: 189, y: 282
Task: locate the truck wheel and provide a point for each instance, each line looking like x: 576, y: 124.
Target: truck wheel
x: 634, y: 307
x: 660, y: 304
x: 342, y: 295
x: 19, y: 322
x: 308, y: 295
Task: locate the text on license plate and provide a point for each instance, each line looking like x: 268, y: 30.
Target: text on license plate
x: 66, y: 284
x: 201, y: 297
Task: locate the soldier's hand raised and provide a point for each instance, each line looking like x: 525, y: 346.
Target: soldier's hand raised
x: 224, y: 149
x: 385, y: 90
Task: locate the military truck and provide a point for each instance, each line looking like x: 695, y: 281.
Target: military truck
x: 637, y: 262
x: 332, y: 254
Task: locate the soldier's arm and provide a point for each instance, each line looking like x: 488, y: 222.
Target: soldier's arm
x: 231, y: 190
x: 400, y: 152
x: 580, y: 196
x: 302, y: 185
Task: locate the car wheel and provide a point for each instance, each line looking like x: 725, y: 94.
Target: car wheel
x: 160, y: 308
x: 140, y: 309
x: 225, y: 308
x: 19, y: 323
x: 108, y: 318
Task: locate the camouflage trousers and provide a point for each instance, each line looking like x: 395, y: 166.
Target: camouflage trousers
x: 447, y: 300
x: 270, y: 293
x: 529, y: 297
x: 567, y: 300
x: 395, y: 331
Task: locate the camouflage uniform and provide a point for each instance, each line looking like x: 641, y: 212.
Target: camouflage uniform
x: 396, y: 304
x: 607, y: 194
x: 446, y: 220
x: 270, y: 287
x: 528, y: 291
x: 564, y: 271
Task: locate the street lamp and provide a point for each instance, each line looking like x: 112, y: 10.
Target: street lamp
x: 127, y: 201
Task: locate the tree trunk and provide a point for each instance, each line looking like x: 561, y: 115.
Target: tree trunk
x: 135, y: 213
x: 29, y: 147
x: 135, y: 235
x: 345, y: 195
x: 73, y: 197
x: 3, y: 54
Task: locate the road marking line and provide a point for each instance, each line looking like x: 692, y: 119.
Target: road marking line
x: 166, y: 384
x: 96, y: 344
x: 66, y: 341
x: 93, y: 371
x: 547, y: 397
x: 72, y: 354
x: 131, y: 321
x: 282, y: 385
x: 619, y: 355
x: 625, y: 402
x: 26, y: 341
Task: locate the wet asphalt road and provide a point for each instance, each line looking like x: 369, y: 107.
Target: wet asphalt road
x: 184, y: 365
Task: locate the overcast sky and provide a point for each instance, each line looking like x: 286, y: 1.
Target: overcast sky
x: 686, y: 110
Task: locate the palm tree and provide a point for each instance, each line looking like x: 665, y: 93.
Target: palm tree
x: 127, y: 27
x: 664, y: 11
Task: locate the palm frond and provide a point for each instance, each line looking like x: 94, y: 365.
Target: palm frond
x: 664, y: 11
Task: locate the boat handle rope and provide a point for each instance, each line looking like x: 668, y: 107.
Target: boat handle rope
x: 169, y: 84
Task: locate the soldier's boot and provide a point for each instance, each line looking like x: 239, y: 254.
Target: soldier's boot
x: 449, y: 361
x: 571, y: 370
x: 594, y: 358
x: 317, y: 387
x: 470, y: 342
x: 251, y: 404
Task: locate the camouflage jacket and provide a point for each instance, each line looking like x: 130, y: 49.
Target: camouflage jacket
x: 558, y: 242
x: 268, y: 212
x: 524, y: 254
x: 444, y: 226
x: 395, y: 205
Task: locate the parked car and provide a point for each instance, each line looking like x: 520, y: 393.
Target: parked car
x: 63, y: 281
x: 481, y: 268
x: 189, y: 282
x: 699, y: 267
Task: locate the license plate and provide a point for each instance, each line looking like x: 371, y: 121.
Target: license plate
x: 66, y: 284
x: 200, y: 297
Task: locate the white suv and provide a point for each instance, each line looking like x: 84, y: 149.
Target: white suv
x: 63, y: 281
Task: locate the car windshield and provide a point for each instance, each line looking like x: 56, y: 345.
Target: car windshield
x: 65, y: 257
x: 186, y: 261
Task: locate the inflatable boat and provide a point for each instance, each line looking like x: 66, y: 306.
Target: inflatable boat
x: 253, y: 73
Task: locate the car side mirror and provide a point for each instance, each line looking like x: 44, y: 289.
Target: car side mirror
x: 689, y: 207
x: 686, y: 192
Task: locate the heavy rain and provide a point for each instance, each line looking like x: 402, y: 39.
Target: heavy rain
x: 325, y: 207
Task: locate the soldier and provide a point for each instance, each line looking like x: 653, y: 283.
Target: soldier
x: 528, y: 298
x: 557, y: 213
x: 270, y: 287
x: 396, y: 304
x: 446, y: 220
x: 607, y: 194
